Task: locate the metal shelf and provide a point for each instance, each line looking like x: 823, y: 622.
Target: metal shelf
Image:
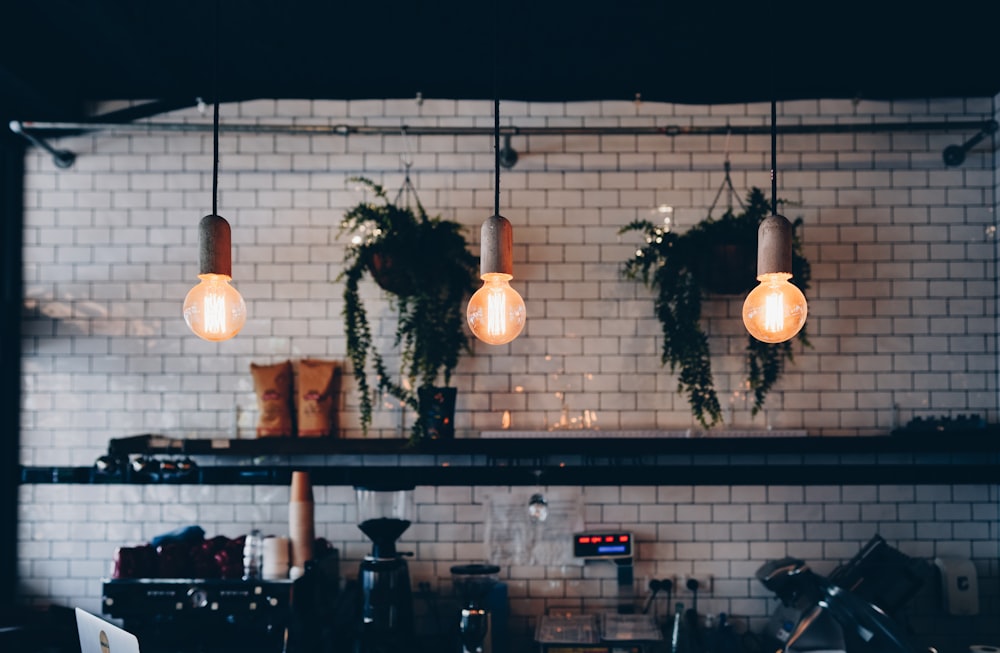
x: 594, y: 475
x: 975, y: 440
x: 955, y: 458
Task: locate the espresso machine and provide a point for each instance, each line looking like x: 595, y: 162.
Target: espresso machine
x: 384, y: 514
x: 473, y: 584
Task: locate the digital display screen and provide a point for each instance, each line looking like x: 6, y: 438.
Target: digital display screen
x: 602, y: 545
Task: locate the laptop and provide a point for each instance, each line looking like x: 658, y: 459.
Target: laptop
x: 99, y: 636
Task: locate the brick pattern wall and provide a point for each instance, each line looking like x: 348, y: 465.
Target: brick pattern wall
x: 902, y: 323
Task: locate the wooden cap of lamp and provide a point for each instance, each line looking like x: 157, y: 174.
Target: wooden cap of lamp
x: 496, y: 246
x: 215, y: 248
x: 774, y: 245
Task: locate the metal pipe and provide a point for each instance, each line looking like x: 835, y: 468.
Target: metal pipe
x: 62, y: 158
x: 54, y: 128
x: 954, y: 155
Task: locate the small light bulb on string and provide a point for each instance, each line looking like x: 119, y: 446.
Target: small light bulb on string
x: 496, y: 312
x: 214, y: 310
x: 774, y: 311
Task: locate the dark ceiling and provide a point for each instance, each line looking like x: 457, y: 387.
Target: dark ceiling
x: 58, y: 55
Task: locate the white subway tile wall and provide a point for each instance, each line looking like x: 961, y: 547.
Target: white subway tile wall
x: 901, y: 321
x: 69, y: 535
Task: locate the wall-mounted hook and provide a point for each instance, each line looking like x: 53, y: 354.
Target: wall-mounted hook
x: 508, y: 156
x: 954, y: 155
x: 62, y: 158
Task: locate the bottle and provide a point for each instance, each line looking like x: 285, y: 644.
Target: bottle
x: 678, y: 635
x: 253, y: 555
x: 710, y: 636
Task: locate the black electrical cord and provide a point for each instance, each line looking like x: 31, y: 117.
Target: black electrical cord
x: 215, y: 119
x: 774, y: 119
x: 654, y: 587
x: 668, y: 585
x: 215, y: 163
x: 496, y: 155
x: 774, y: 158
x: 496, y: 108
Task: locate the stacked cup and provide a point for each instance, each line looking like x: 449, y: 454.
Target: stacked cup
x: 301, y: 525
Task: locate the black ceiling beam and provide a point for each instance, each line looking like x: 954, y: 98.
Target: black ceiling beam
x: 665, y: 50
x: 11, y: 311
x: 19, y: 99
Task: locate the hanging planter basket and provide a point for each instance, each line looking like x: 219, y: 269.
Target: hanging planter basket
x: 728, y: 268
x: 423, y: 262
x: 392, y: 270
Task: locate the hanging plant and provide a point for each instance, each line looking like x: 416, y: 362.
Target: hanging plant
x: 426, y: 268
x: 716, y: 256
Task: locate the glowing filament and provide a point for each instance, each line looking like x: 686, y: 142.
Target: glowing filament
x: 213, y: 309
x: 215, y: 314
x: 495, y: 311
x: 775, y: 310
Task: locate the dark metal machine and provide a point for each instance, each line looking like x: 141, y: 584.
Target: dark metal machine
x: 201, y: 614
x: 818, y: 597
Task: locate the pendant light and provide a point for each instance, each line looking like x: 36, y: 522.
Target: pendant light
x: 214, y: 310
x: 776, y: 309
x: 496, y: 312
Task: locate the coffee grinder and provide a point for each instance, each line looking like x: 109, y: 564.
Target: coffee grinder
x: 473, y: 584
x: 384, y: 513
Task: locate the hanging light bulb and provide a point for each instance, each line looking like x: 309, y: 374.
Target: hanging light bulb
x: 496, y: 312
x: 214, y: 310
x: 774, y: 311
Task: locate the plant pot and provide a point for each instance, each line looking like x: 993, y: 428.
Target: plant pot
x: 437, y: 411
x: 729, y: 269
x: 392, y: 273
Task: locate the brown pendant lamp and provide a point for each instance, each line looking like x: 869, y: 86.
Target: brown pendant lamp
x: 496, y: 312
x: 214, y: 310
x: 776, y: 309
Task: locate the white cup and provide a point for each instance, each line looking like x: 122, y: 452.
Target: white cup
x: 275, y: 562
